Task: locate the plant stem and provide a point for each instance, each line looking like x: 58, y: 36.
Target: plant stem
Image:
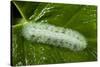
x: 19, y: 11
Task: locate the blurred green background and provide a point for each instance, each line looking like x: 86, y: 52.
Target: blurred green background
x: 82, y: 18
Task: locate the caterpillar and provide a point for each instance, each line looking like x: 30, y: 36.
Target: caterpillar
x: 53, y: 35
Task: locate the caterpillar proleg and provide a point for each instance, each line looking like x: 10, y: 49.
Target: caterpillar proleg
x: 53, y: 35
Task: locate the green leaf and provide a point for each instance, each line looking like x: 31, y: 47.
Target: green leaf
x: 81, y: 18
x: 26, y: 9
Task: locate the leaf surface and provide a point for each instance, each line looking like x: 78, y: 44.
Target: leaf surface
x: 81, y: 18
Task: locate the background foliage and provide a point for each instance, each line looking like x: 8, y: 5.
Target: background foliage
x: 77, y: 17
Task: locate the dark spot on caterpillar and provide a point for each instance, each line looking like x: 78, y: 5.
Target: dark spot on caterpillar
x: 48, y: 39
x: 63, y: 31
x: 33, y: 36
x: 74, y: 47
x: 56, y: 31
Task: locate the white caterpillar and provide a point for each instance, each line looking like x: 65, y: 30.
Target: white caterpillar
x: 57, y: 36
